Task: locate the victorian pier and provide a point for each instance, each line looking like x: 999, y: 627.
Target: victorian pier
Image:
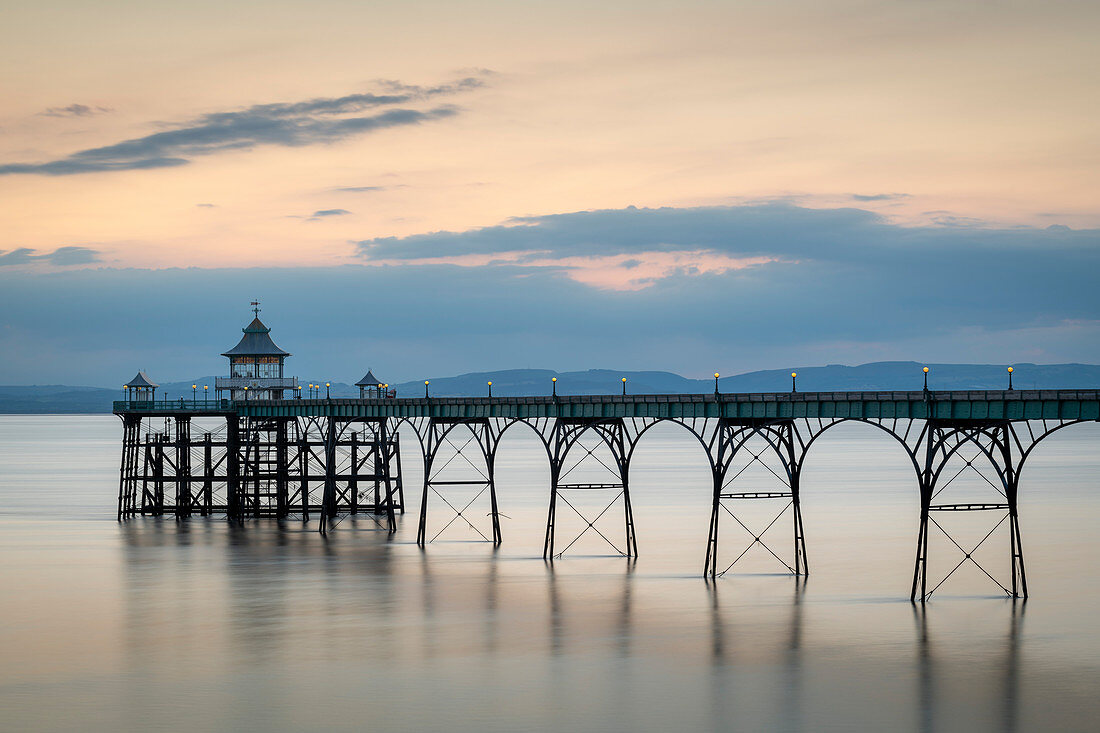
x: 260, y: 449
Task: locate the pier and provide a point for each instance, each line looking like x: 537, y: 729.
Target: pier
x: 323, y: 458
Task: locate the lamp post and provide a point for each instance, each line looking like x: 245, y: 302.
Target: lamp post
x: 716, y: 383
x: 554, y: 386
x: 1010, y: 379
x: 194, y: 394
x: 126, y: 392
x: 490, y: 389
x: 624, y: 386
x: 926, y: 379
x: 794, y: 384
x: 298, y: 391
x: 425, y: 389
x: 327, y: 385
x: 246, y: 393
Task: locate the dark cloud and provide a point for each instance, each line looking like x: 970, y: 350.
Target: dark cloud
x: 779, y: 231
x: 75, y: 110
x: 330, y: 212
x: 60, y: 257
x: 311, y: 122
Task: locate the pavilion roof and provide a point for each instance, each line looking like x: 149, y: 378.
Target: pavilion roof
x: 256, y: 342
x: 369, y: 380
x: 141, y: 381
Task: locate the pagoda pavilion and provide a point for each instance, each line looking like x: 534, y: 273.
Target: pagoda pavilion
x: 256, y: 366
x: 371, y: 386
x: 141, y: 388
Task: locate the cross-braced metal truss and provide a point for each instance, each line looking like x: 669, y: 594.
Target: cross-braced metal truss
x: 587, y: 456
x: 758, y: 462
x: 450, y: 472
x: 362, y: 473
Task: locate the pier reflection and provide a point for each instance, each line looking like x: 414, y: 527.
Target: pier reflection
x: 998, y: 663
x: 369, y: 616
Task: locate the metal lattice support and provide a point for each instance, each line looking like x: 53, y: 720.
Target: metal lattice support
x: 459, y: 437
x: 566, y: 436
x: 731, y: 441
x: 996, y: 447
x: 358, y: 457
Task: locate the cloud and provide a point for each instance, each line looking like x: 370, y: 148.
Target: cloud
x: 360, y: 189
x: 295, y: 124
x: 719, y: 239
x: 879, y: 197
x: 207, y: 206
x: 60, y: 257
x: 75, y: 110
x: 327, y: 213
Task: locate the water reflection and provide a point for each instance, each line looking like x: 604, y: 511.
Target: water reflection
x: 209, y: 595
x: 999, y: 664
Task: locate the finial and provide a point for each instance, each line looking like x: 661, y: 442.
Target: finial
x: 255, y: 307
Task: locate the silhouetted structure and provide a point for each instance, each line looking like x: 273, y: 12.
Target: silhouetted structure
x: 337, y: 447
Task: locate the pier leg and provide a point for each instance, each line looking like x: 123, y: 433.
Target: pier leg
x: 399, y: 478
x: 328, y: 502
x: 794, y: 470
x: 1012, y: 486
x: 207, y: 476
x: 422, y: 526
x: 382, y: 466
x: 490, y: 460
x: 233, y: 468
x: 710, y: 565
x: 353, y: 479
x: 131, y: 430
x: 282, y: 470
x: 303, y: 472
x: 552, y: 511
x: 183, y: 467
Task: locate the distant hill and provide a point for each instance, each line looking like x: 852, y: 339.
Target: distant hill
x: 885, y: 375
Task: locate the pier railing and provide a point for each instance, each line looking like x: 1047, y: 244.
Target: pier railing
x: 178, y: 405
x: 959, y: 405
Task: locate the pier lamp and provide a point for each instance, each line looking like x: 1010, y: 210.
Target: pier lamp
x: 794, y: 386
x: 624, y: 386
x: 246, y: 393
x: 298, y: 390
x: 1010, y: 379
x: 926, y: 379
x: 554, y: 386
x: 716, y: 383
x: 490, y: 389
x: 327, y: 385
x: 425, y: 389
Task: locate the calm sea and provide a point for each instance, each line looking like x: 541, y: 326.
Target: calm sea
x: 200, y: 625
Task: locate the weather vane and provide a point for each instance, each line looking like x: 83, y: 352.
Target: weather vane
x: 255, y: 307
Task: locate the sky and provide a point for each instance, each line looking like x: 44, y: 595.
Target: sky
x: 428, y: 188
